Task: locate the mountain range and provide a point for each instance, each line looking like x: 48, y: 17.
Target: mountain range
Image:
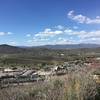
x: 4, y: 48
x: 71, y: 46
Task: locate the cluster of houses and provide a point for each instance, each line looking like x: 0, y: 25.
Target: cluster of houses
x: 19, y: 76
x: 16, y: 76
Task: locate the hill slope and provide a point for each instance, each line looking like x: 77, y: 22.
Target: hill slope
x: 7, y: 49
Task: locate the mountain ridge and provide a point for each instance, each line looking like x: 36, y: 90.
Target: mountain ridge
x: 69, y: 46
x: 57, y: 46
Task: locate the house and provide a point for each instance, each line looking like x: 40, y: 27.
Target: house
x: 8, y: 70
x: 27, y: 73
x: 45, y: 73
x: 97, y: 78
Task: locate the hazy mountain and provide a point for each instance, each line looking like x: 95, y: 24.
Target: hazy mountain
x: 70, y: 46
x: 4, y: 48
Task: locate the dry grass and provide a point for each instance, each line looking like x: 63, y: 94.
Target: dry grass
x: 78, y: 85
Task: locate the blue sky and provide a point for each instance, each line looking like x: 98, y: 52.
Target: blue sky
x: 41, y: 22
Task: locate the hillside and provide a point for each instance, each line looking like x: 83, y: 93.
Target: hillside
x: 33, y: 56
x: 7, y: 49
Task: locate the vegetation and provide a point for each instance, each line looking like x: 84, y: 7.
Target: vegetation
x: 74, y: 86
x: 32, y: 57
x: 77, y: 84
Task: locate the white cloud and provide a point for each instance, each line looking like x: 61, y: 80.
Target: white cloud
x: 60, y: 27
x: 63, y: 41
x: 28, y: 35
x: 90, y: 40
x: 53, y: 36
x: 75, y: 27
x: 9, y: 33
x: 68, y: 31
x: 51, y: 32
x: 83, y: 19
x: 2, y: 33
x: 48, y: 33
x: 12, y: 43
x: 29, y: 41
x: 65, y: 36
x: 91, y: 34
x: 5, y: 33
x: 60, y: 38
x: 82, y: 34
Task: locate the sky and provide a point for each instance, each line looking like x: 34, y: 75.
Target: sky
x: 49, y: 22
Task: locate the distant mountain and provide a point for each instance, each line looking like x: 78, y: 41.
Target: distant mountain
x: 7, y: 49
x: 4, y: 48
x: 71, y: 46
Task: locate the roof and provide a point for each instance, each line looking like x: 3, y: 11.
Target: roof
x: 8, y: 70
x: 28, y: 72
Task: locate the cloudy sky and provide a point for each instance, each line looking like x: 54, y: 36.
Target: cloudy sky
x: 42, y: 22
